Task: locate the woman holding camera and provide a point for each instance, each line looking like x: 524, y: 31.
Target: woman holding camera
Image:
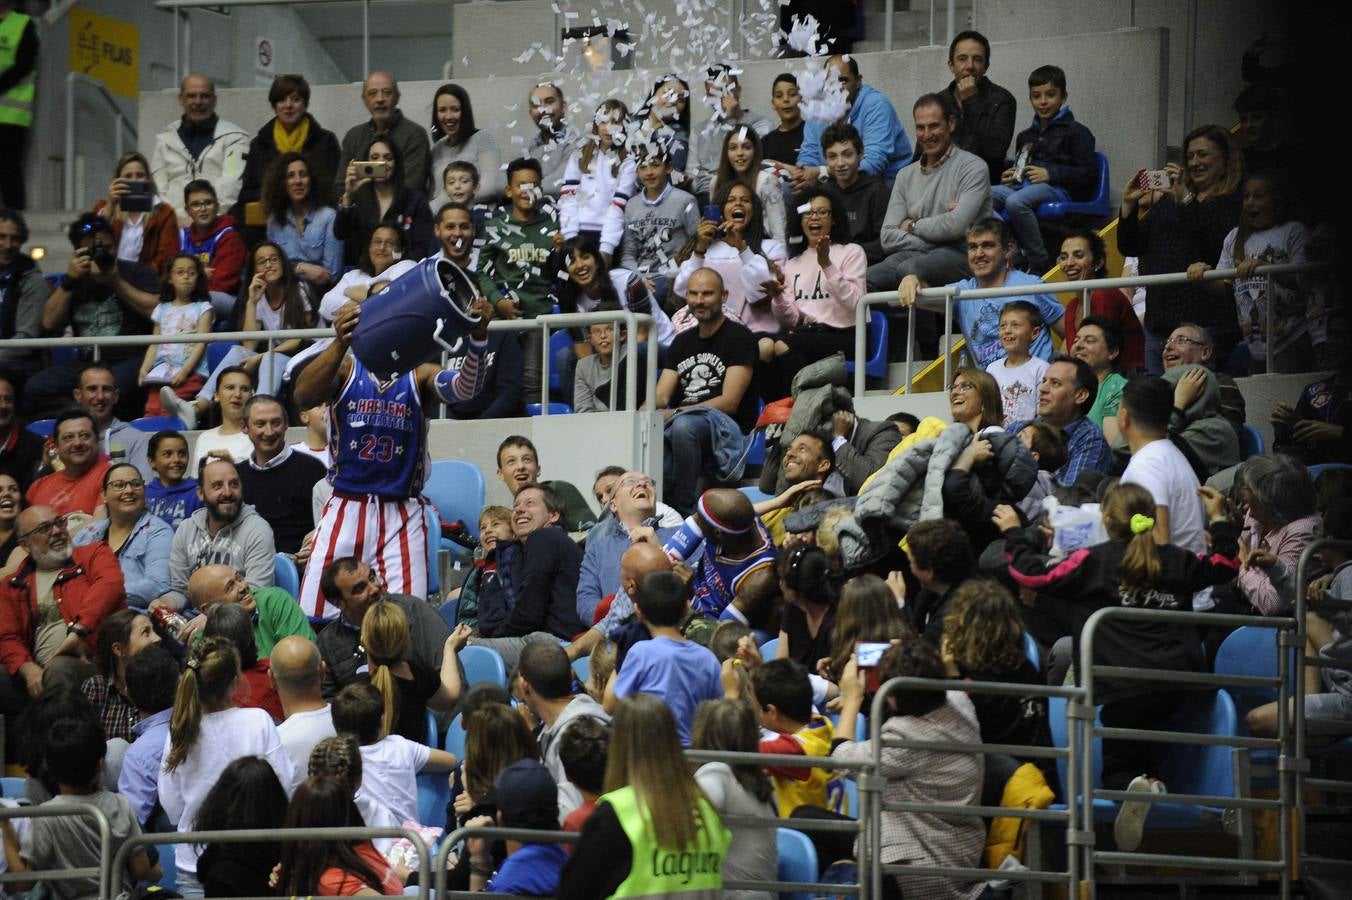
x: 374, y: 194
x: 146, y: 227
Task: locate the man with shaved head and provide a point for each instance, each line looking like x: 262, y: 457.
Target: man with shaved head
x: 276, y: 614
x: 724, y: 544
x: 296, y: 671
x: 705, y: 394
x: 380, y: 96
x: 640, y: 559
x: 199, y: 145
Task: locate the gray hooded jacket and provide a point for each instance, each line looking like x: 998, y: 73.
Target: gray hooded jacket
x: 245, y: 544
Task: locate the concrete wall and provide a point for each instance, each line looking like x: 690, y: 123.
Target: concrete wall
x: 221, y: 46
x: 1132, y: 136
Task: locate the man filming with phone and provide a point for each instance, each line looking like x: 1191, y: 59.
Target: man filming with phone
x: 99, y: 296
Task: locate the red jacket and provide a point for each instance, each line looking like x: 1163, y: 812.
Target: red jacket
x: 226, y: 255
x: 86, y: 591
x: 159, y: 241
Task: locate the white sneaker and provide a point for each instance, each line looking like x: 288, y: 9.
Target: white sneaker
x: 186, y: 410
x: 1130, y: 824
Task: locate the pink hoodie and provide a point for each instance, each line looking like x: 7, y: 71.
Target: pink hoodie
x: 813, y: 295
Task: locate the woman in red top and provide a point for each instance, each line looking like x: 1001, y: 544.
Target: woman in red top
x: 332, y: 868
x: 1084, y: 256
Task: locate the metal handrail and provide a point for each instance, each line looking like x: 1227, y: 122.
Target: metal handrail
x: 1085, y: 723
x: 871, y: 788
x: 60, y: 809
x: 941, y: 299
x: 119, y: 122
x: 279, y: 835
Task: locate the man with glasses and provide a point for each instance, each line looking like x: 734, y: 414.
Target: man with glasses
x: 51, y: 608
x: 632, y: 504
x: 199, y: 145
x: 380, y: 96
x: 1191, y: 344
x: 99, y: 296
x: 352, y: 587
x: 78, y: 486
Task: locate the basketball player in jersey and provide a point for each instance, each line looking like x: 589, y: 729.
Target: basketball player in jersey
x: 378, y: 437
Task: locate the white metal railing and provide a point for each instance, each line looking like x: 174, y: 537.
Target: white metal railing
x: 941, y: 299
x: 120, y: 121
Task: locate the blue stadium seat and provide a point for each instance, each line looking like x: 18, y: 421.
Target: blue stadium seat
x: 1249, y: 651
x: 152, y: 424
x: 11, y: 788
x: 1250, y: 442
x: 285, y: 574
x: 558, y: 340
x: 582, y: 670
x: 1030, y: 650
x: 1099, y: 205
x: 755, y: 494
x: 455, y: 737
x: 851, y: 798
x: 555, y: 409
x: 755, y: 455
x: 168, y: 867
x: 448, y: 612
x: 875, y: 347
x: 59, y: 355
x: 767, y: 649
x: 456, y: 489
x: 1320, y: 468
x: 797, y: 860
x: 483, y: 664
x: 434, y: 792
x: 216, y: 352
x: 41, y: 427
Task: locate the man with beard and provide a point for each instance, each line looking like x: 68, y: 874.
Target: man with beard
x: 278, y: 481
x: 51, y: 608
x: 78, y: 487
x: 224, y: 531
x: 707, y: 382
x: 553, y: 140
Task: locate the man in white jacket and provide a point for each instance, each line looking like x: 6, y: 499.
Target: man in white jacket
x: 199, y: 145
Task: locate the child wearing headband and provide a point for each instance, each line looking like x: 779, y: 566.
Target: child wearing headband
x: 1129, y: 569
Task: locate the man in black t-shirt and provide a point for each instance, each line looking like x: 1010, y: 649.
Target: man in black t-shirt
x: 705, y: 393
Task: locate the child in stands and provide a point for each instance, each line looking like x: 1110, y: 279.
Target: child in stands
x: 598, y: 182
x: 75, y: 749
x: 495, y: 526
x: 1047, y: 443
x: 582, y: 750
x: 657, y: 223
x: 184, y: 307
x: 1018, y: 372
x: 390, y: 763
x: 668, y: 665
x: 1129, y: 569
x: 526, y: 797
x: 170, y: 494
x: 861, y: 195
x: 327, y: 867
x: 783, y: 695
x: 740, y: 162
x: 1055, y: 162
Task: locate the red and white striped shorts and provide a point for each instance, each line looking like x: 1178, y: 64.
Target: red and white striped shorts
x: 388, y: 535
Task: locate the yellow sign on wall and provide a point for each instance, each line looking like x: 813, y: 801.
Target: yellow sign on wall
x: 106, y: 49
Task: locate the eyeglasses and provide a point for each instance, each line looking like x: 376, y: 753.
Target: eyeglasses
x: 961, y: 387
x: 135, y: 484
x: 818, y: 212
x: 636, y: 482
x: 1180, y: 340
x: 202, y: 204
x: 270, y: 261
x: 46, y: 528
x: 382, y: 242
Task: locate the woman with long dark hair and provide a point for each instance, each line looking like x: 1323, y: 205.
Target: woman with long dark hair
x: 369, y: 201
x: 665, y: 118
x: 740, y: 160
x: 246, y: 796
x: 298, y: 199
x: 456, y: 138
x: 332, y: 868
x: 121, y: 636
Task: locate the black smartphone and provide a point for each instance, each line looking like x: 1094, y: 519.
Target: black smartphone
x: 137, y: 198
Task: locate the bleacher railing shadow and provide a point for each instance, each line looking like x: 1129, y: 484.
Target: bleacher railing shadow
x: 941, y: 299
x: 1238, y: 806
x: 872, y: 785
x: 1300, y: 765
x: 277, y: 835
x: 61, y: 810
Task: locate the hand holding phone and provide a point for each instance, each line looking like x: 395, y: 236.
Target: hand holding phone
x: 1155, y: 180
x: 867, y: 655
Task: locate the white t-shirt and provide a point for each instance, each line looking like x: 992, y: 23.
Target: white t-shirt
x: 1283, y: 243
x: 1163, y: 470
x: 1018, y: 387
x: 300, y: 732
x: 389, y: 770
x: 375, y: 815
x: 238, y: 446
x: 224, y: 737
x: 322, y: 454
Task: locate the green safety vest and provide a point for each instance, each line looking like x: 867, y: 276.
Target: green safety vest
x: 662, y: 872
x: 16, y: 104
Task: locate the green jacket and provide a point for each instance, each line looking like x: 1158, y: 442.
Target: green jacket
x: 515, y: 259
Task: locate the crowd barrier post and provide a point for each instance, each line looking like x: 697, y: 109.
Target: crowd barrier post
x: 873, y: 861
x: 1240, y: 803
x: 279, y: 835
x: 61, y: 809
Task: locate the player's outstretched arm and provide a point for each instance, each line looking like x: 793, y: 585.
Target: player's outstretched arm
x: 452, y: 387
x: 320, y: 381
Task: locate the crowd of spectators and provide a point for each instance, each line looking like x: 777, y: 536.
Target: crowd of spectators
x: 154, y: 668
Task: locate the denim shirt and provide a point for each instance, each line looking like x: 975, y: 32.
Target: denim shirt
x: 315, y: 245
x: 144, y: 556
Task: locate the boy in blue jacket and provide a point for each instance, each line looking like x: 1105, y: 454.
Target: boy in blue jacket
x: 1054, y: 162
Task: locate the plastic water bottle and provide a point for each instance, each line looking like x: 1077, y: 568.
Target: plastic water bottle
x: 1072, y: 526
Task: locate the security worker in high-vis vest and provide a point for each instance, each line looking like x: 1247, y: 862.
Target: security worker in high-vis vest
x: 653, y: 833
x: 18, y: 78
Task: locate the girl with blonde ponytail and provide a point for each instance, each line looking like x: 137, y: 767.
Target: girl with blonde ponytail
x: 1129, y: 569
x: 408, y: 692
x: 206, y: 734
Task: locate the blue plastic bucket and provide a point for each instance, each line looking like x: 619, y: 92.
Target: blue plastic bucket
x: 421, y: 312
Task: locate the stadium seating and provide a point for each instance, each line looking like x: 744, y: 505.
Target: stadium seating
x: 285, y: 575
x: 875, y: 347
x: 555, y: 409
x: 558, y: 341
x: 483, y: 664
x: 582, y: 670
x: 1100, y: 205
x: 769, y: 648
x: 41, y: 427
x: 1251, y: 442
x: 797, y: 860
x: 456, y: 489
x: 152, y: 424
